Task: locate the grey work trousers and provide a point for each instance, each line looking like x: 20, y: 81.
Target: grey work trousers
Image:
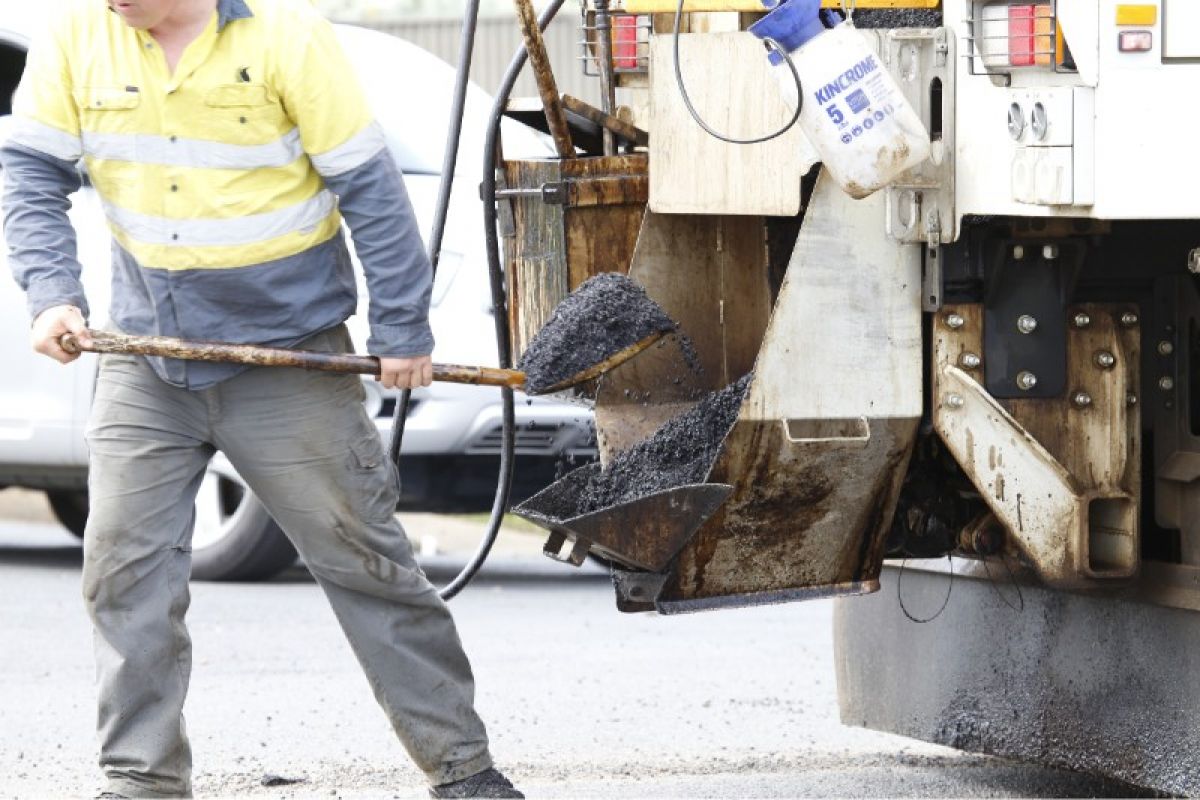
x: 307, y: 448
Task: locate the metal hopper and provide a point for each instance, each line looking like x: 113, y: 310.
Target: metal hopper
x: 801, y: 490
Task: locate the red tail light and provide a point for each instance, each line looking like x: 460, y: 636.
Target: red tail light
x: 625, y: 42
x: 1020, y: 35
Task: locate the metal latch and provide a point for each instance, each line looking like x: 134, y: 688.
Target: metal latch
x: 550, y: 193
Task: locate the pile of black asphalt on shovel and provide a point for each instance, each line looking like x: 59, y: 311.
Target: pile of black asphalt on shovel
x: 607, y: 315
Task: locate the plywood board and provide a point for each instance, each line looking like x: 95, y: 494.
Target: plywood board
x: 729, y: 81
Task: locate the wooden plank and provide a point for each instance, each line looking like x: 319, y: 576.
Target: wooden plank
x: 728, y: 79
x: 539, y: 62
x: 536, y: 254
x: 626, y: 131
x: 601, y: 238
x: 557, y: 247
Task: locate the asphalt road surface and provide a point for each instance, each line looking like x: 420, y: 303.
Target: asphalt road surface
x: 581, y: 701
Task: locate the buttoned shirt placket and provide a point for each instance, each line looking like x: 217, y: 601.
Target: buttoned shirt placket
x: 162, y: 88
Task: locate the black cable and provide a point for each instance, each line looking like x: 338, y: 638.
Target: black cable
x: 687, y: 101
x: 945, y: 600
x: 449, y: 164
x: 499, y: 309
x: 1012, y: 579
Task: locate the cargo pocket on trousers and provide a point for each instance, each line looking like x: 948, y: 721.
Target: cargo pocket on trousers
x: 374, y: 481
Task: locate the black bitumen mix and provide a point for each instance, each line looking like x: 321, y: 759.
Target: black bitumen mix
x: 603, y: 316
x: 680, y: 452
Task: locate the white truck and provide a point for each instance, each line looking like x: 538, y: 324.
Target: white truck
x: 976, y: 392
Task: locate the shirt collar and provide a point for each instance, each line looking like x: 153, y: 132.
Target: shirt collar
x: 229, y: 10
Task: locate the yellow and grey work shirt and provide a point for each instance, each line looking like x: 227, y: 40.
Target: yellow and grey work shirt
x: 224, y: 182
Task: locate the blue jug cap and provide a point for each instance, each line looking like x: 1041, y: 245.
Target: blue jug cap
x: 792, y: 24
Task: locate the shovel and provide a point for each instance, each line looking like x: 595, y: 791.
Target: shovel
x: 593, y: 303
x: 254, y: 355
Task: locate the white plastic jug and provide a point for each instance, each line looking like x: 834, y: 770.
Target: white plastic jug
x: 854, y: 114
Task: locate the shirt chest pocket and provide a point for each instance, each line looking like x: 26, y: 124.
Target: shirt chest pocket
x: 245, y: 113
x: 109, y: 109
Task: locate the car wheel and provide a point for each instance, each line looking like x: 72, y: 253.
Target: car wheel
x: 70, y: 508
x: 235, y: 538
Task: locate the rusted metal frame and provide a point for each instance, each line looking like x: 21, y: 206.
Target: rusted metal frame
x: 628, y: 132
x: 1039, y: 464
x: 539, y: 62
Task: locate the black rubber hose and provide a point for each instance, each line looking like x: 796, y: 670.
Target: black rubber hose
x: 499, y: 307
x: 449, y: 164
x: 466, y: 50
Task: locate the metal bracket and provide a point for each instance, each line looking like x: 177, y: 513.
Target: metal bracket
x: 1025, y: 319
x: 637, y: 591
x: 920, y: 203
x: 931, y: 274
x: 504, y: 209
x: 575, y: 556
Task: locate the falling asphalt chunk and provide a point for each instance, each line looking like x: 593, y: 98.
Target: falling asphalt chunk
x: 605, y: 315
x: 279, y: 780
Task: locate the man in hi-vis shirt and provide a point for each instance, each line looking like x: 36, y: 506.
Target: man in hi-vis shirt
x: 228, y: 139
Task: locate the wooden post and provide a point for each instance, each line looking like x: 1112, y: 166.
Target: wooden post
x: 539, y: 62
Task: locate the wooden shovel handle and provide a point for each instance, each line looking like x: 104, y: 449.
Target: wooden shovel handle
x: 254, y: 355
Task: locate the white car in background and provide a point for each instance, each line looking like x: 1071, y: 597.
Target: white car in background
x: 452, y: 437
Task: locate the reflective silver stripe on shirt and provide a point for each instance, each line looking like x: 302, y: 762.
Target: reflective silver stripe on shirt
x: 198, y: 153
x: 45, y: 139
x: 354, y: 152
x: 245, y: 230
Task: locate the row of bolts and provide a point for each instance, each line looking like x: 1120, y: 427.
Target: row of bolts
x: 1026, y: 380
x: 1103, y: 359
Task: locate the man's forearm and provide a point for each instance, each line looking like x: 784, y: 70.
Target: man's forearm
x: 388, y: 242
x: 41, y: 241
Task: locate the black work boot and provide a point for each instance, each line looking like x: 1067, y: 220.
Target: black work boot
x: 489, y: 783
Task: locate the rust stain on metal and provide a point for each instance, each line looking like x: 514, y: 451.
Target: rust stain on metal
x: 1078, y: 521
x: 803, y: 515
